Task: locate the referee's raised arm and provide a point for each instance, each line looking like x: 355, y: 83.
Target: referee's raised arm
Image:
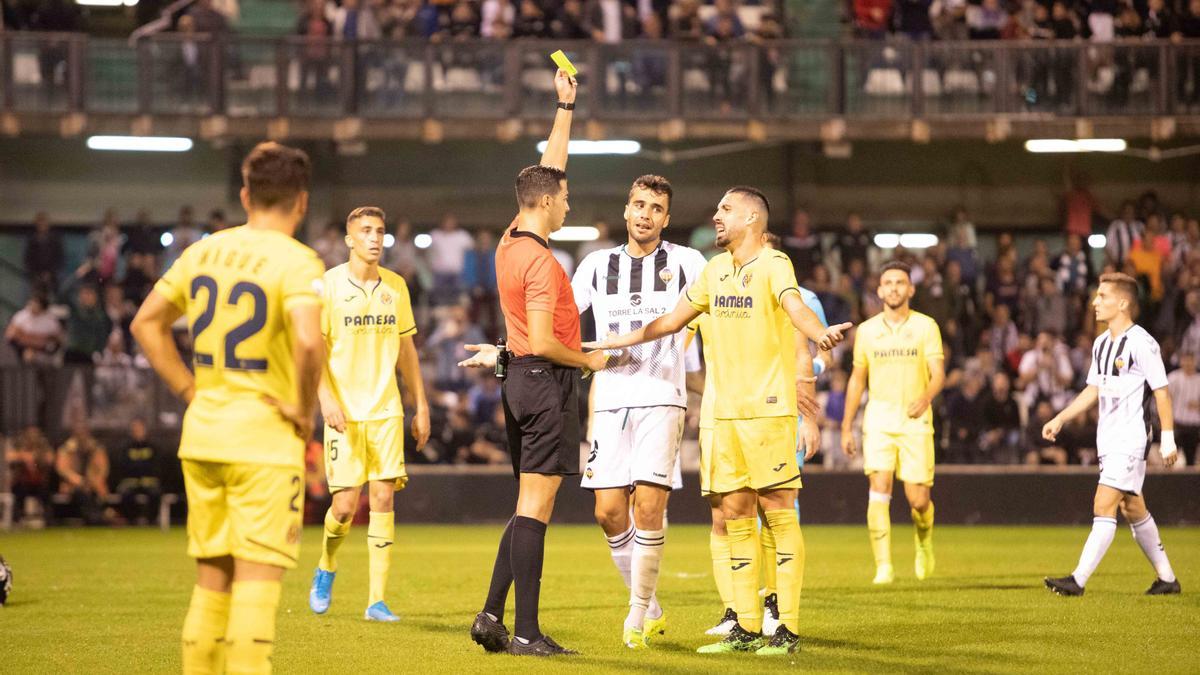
x: 540, y: 393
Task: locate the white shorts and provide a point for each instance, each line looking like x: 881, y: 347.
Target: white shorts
x: 1126, y: 473
x: 635, y: 445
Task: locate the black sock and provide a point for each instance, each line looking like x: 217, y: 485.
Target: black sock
x: 502, y: 575
x: 528, y: 549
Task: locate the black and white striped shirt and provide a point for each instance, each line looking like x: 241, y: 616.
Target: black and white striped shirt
x: 625, y: 293
x: 1125, y: 369
x: 1121, y: 237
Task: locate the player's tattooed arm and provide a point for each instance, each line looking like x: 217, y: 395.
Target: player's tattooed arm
x: 152, y: 330
x: 1085, y: 400
x: 555, y: 153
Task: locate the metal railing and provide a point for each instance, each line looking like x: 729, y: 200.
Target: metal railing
x: 303, y: 77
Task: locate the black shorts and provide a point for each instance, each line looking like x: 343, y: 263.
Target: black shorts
x: 541, y: 416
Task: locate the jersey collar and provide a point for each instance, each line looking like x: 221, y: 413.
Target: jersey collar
x: 625, y: 249
x: 522, y: 233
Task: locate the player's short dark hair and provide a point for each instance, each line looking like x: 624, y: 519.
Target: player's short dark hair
x: 753, y: 193
x: 656, y: 184
x: 537, y: 181
x: 1124, y: 284
x: 366, y: 212
x: 275, y: 175
x: 897, y: 265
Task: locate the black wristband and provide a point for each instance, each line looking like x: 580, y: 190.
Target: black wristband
x: 566, y: 106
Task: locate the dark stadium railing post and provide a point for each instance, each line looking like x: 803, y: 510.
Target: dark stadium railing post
x: 756, y: 93
x: 836, y: 94
x: 429, y: 98
x: 1081, y: 80
x: 145, y: 77
x: 282, y: 64
x: 916, y: 78
x: 674, y: 81
x: 348, y: 74
x: 1165, y: 78
x: 1003, y: 67
x: 76, y: 49
x: 6, y: 76
x: 215, y: 79
x: 512, y: 80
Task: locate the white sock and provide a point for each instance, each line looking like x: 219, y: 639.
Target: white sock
x: 647, y: 554
x: 1103, y: 531
x: 621, y: 547
x: 1146, y: 535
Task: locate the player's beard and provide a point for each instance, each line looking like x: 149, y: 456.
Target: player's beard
x: 895, y: 305
x: 723, y: 239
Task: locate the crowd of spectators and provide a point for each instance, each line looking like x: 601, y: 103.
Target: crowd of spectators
x: 1016, y: 323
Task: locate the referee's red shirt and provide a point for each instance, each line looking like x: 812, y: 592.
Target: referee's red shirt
x: 528, y: 277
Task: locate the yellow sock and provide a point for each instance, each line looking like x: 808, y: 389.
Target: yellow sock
x: 380, y: 535
x: 335, y: 533
x: 923, y: 524
x: 766, y: 538
x: 718, y: 547
x: 789, y: 564
x: 204, y: 633
x: 879, y: 526
x: 744, y: 558
x: 250, y: 636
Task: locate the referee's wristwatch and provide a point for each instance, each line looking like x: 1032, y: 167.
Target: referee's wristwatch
x: 566, y: 106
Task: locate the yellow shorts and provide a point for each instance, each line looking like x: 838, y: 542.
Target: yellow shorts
x: 910, y: 456
x: 758, y: 453
x: 252, y: 512
x: 367, y: 451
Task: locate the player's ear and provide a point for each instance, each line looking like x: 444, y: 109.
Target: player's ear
x: 666, y: 221
x: 244, y: 197
x: 625, y: 213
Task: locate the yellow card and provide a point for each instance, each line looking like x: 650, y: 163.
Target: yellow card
x: 560, y: 59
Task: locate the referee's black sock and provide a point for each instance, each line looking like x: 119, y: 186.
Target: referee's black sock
x: 502, y: 575
x: 528, y: 550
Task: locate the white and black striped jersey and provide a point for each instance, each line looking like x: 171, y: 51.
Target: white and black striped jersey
x: 626, y: 293
x: 1125, y: 369
x: 1121, y: 237
x: 1185, y: 397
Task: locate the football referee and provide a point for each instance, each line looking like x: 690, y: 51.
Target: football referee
x: 540, y: 392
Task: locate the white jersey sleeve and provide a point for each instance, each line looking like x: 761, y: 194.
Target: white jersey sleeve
x: 1148, y: 357
x: 1094, y: 376
x: 583, y: 282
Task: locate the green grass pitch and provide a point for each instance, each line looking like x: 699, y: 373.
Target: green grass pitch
x: 94, y: 601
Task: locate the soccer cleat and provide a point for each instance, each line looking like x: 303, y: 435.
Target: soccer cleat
x: 924, y: 560
x: 1160, y: 587
x: 380, y: 612
x: 634, y: 638
x: 543, y: 646
x: 770, y: 614
x: 884, y: 574
x: 654, y: 627
x: 321, y: 593
x: 726, y: 624
x: 738, y: 640
x: 782, y: 642
x: 489, y: 634
x: 1064, y: 586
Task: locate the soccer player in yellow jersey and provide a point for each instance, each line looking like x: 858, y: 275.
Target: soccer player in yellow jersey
x: 752, y: 297
x: 252, y: 298
x: 368, y: 326
x: 900, y: 351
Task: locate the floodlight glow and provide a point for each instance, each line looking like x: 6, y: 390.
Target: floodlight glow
x: 918, y: 240
x: 1043, y: 145
x: 388, y: 241
x: 1097, y: 241
x: 166, y: 239
x: 422, y: 240
x: 140, y: 143
x: 887, y: 240
x: 598, y: 147
x: 576, y: 233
